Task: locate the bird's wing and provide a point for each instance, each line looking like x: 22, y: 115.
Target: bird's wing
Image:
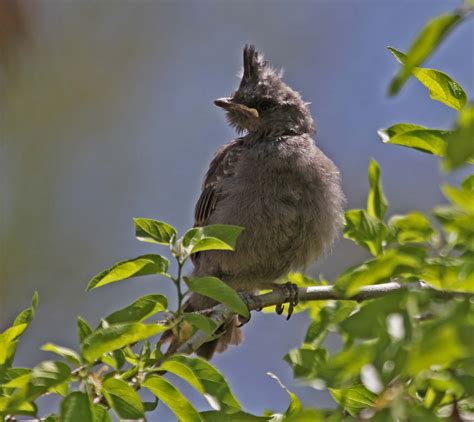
x: 221, y: 167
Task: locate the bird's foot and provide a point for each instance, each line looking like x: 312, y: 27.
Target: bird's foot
x: 291, y: 291
x: 252, y: 302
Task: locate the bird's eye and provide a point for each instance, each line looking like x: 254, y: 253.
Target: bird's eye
x: 265, y: 105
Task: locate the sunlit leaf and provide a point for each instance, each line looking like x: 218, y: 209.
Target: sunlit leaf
x: 463, y: 198
x: 213, y: 237
x: 123, y: 399
x: 115, y: 337
x: 455, y: 276
x: 173, y: 398
x: 8, y: 340
x: 9, y: 337
x: 25, y: 408
x: 140, y: 266
x: 26, y: 316
x: 427, y: 40
x: 154, y: 231
x: 138, y: 311
x: 432, y: 141
x: 216, y: 289
x: 65, y: 352
x: 441, y: 86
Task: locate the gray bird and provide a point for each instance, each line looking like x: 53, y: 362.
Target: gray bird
x: 274, y: 182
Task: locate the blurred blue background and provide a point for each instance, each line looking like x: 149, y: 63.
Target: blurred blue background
x: 106, y: 114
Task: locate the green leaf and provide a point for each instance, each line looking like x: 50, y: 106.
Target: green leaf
x: 206, y: 379
x: 138, y: 311
x: 154, y: 231
x: 101, y: 414
x: 353, y: 399
x: 411, y: 228
x: 213, y: 237
x: 376, y: 202
x: 441, y: 86
x: 370, y: 320
x: 116, y: 336
x: 201, y: 322
x: 218, y: 416
x: 173, y: 398
x: 216, y: 289
x: 392, y: 264
x: 454, y: 276
x: 65, y: 352
x: 9, y: 338
x: 42, y: 378
x: 26, y: 316
x: 76, y: 407
x: 327, y: 317
x: 29, y: 409
x: 468, y: 183
x: 123, y: 399
x: 365, y: 230
x: 431, y: 141
x: 140, y: 266
x: 443, y: 335
x: 8, y: 341
x: 463, y: 198
x: 83, y: 329
x: 428, y: 39
x: 295, y: 404
x: 9, y: 375
x: 311, y: 415
x: 460, y: 148
x: 306, y: 362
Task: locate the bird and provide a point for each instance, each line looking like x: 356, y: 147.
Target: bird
x: 273, y: 181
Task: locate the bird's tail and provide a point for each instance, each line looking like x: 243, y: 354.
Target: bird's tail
x: 229, y: 334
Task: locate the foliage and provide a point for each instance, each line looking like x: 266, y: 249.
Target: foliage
x: 405, y: 356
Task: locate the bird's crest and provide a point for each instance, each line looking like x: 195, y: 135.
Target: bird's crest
x: 254, y: 63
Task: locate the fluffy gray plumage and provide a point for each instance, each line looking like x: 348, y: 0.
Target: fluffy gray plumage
x: 273, y: 181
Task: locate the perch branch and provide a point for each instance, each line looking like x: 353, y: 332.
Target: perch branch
x: 220, y: 313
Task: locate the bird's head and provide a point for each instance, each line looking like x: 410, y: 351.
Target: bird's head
x: 263, y: 103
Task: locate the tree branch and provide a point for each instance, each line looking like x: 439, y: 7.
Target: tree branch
x: 220, y: 313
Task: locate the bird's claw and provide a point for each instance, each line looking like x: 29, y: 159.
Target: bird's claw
x: 243, y: 320
x: 291, y: 291
x: 252, y: 302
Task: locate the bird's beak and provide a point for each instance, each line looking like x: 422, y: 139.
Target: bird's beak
x: 228, y: 104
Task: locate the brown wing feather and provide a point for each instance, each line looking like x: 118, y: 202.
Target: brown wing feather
x: 221, y: 167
